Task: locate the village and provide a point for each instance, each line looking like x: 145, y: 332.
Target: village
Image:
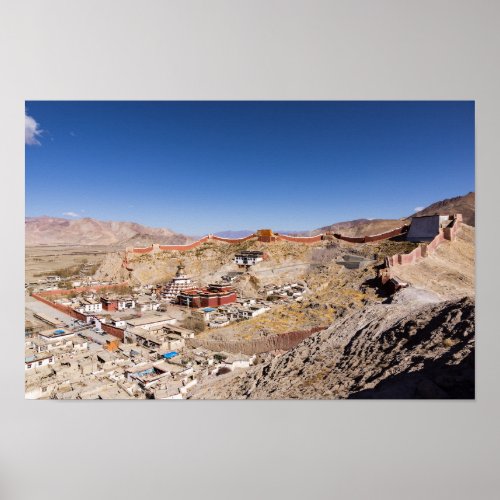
x: 104, y: 340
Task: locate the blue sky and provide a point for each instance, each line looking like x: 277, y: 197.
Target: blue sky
x: 199, y: 167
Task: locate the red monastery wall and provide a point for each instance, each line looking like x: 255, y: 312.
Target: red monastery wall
x: 143, y: 250
x: 112, y: 330
x: 64, y: 309
x: 116, y: 332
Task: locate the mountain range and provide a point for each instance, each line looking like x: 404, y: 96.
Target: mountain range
x: 45, y: 230
x: 465, y: 205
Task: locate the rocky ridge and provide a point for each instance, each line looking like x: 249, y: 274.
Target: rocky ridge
x: 414, y: 347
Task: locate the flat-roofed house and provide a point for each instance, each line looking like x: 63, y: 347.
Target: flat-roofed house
x: 117, y: 304
x: 37, y: 360
x: 147, y: 305
x: 152, y: 321
x: 248, y: 258
x: 162, y: 340
x: 89, y: 306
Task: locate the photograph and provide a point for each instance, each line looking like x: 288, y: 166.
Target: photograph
x: 252, y: 249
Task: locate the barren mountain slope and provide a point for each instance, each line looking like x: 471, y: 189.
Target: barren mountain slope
x: 362, y: 227
x: 87, y: 231
x: 409, y: 349
x: 465, y: 205
x: 213, y: 259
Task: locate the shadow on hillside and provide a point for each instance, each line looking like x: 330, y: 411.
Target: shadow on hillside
x: 374, y: 283
x: 436, y: 380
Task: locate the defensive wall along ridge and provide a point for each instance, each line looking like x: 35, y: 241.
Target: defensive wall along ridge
x: 423, y: 250
x: 267, y: 236
x: 262, y: 235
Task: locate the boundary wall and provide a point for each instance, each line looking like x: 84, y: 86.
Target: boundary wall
x: 284, y: 342
x: 111, y: 330
x: 182, y: 248
x: 424, y: 249
x: 276, y: 237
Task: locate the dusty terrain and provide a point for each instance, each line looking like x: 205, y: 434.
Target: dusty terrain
x: 43, y: 260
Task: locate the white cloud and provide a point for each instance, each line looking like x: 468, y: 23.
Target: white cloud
x: 32, y: 131
x: 71, y: 214
x: 417, y: 209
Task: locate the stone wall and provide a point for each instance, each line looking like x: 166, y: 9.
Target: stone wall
x: 446, y: 234
x: 283, y: 342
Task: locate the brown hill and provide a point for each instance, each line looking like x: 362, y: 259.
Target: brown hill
x: 465, y: 205
x: 86, y: 231
x: 362, y: 227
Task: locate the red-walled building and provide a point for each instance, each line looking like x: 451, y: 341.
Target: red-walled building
x: 117, y: 304
x: 211, y: 296
x: 109, y: 304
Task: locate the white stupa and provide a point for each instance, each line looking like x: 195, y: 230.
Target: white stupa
x: 176, y: 285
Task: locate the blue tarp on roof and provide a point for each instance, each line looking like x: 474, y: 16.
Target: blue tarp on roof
x: 170, y: 354
x: 208, y: 309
